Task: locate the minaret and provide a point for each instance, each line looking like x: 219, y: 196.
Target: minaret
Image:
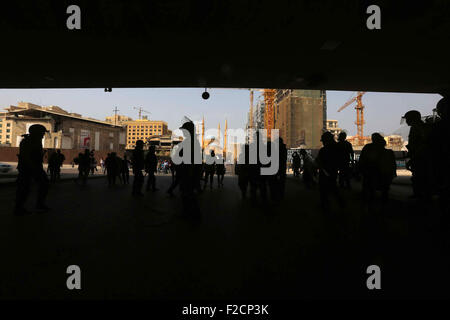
x: 203, y: 133
x: 218, y: 134
x: 225, y: 140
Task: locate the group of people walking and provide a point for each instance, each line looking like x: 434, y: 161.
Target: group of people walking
x: 334, y: 165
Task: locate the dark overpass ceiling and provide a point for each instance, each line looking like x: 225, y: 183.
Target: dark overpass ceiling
x: 219, y: 43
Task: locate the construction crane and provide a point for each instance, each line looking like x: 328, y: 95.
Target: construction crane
x: 269, y: 98
x: 141, y: 111
x: 359, y: 113
x: 250, y: 120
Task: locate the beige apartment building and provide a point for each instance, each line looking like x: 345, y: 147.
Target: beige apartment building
x: 144, y: 129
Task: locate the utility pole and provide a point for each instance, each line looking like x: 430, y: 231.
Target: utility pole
x: 115, y: 115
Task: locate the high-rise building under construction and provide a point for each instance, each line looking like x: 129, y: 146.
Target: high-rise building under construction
x: 300, y: 116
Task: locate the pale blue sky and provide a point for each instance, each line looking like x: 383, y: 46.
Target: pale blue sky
x: 383, y: 110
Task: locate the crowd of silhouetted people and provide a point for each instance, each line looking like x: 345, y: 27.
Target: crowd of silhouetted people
x: 332, y: 169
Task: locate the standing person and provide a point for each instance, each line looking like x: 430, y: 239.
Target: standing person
x: 242, y: 170
x: 328, y: 163
x: 308, y: 169
x: 102, y: 165
x: 137, y: 163
x: 83, y: 162
x: 92, y: 162
x: 378, y: 168
x: 125, y: 170
x: 417, y: 152
x: 60, y: 158
x: 348, y: 157
x: 52, y: 166
x: 151, y: 164
x: 282, y: 168
x: 190, y: 172
x: 220, y: 170
x: 296, y: 162
x: 112, y: 168
x: 209, y: 168
x: 30, y: 168
x: 440, y: 145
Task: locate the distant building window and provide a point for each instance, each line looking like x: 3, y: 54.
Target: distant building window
x: 7, y: 136
x: 7, y: 130
x: 8, y: 124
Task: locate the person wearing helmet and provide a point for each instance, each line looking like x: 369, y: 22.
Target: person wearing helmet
x: 30, y: 168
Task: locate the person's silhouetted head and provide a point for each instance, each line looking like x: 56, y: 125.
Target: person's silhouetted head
x: 378, y: 139
x: 58, y: 151
x: 295, y: 154
x: 212, y: 153
x: 139, y: 144
x: 327, y: 138
x: 303, y: 152
x: 443, y: 108
x: 342, y: 136
x: 87, y: 152
x: 412, y: 117
x: 189, y: 127
x: 37, y: 131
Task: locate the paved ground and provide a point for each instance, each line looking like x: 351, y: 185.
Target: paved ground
x: 142, y: 248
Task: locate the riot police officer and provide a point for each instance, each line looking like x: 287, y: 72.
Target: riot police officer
x: 30, y: 168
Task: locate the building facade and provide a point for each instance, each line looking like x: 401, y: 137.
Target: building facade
x: 66, y: 130
x: 332, y: 126
x: 300, y: 115
x: 118, y: 120
x: 144, y: 129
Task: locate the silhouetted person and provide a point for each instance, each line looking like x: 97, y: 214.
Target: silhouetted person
x: 281, y: 174
x: 242, y: 169
x: 209, y: 169
x: 257, y: 181
x: 328, y: 162
x: 190, y: 174
x: 138, y: 163
x: 220, y: 170
x: 125, y: 170
x: 418, y: 139
x: 296, y: 163
x: 378, y: 167
x: 92, y: 162
x: 307, y: 169
x: 53, y: 166
x: 172, y: 169
x: 440, y: 144
x: 151, y: 164
x: 83, y: 162
x: 30, y: 168
x: 175, y: 175
x: 112, y: 168
x: 348, y: 156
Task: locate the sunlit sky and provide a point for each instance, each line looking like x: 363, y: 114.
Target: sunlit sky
x: 382, y: 113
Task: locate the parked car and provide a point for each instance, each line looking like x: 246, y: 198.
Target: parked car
x: 5, y: 168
